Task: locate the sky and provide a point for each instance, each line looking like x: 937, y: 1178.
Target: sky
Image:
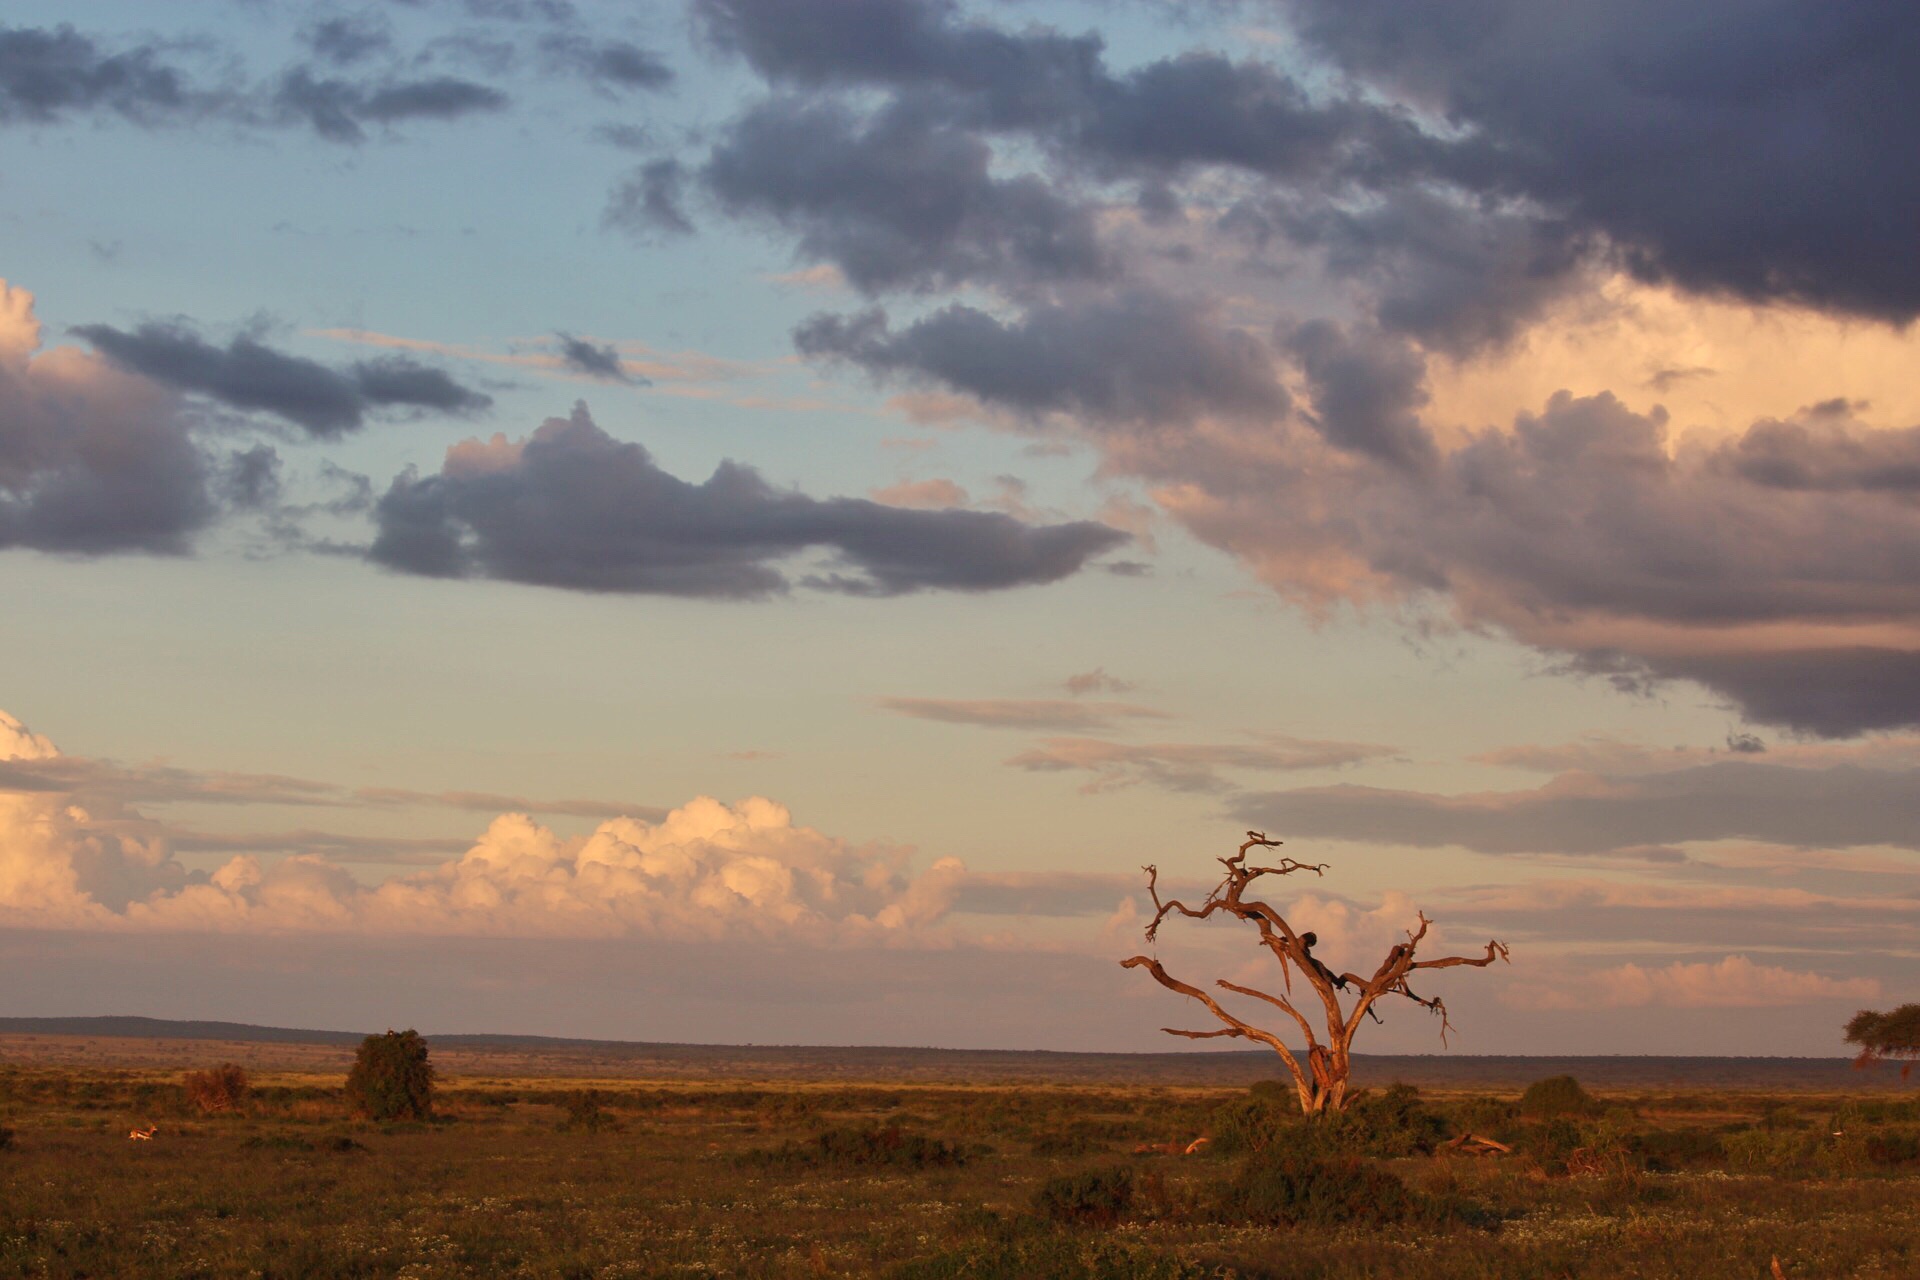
x: 753, y: 521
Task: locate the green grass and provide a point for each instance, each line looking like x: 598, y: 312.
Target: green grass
x: 922, y: 1181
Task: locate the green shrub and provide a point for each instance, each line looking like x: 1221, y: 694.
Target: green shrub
x: 871, y: 1145
x: 1893, y: 1146
x: 391, y: 1078
x: 1393, y: 1122
x: 1096, y: 1197
x: 1557, y: 1096
x: 1877, y: 1111
x: 1250, y: 1124
x: 1288, y: 1189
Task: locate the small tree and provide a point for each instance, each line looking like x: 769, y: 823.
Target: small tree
x: 1886, y: 1035
x: 1321, y: 1085
x: 391, y: 1078
x: 222, y: 1088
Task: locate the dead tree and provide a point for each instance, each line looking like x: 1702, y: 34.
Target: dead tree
x: 1322, y: 1082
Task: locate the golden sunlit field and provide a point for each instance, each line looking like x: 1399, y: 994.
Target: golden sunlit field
x: 552, y: 1177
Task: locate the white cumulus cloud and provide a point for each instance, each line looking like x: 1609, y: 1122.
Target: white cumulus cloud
x: 707, y: 871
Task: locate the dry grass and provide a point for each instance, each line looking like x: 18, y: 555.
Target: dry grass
x: 691, y: 1182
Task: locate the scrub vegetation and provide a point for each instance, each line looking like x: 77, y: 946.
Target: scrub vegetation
x: 550, y: 1177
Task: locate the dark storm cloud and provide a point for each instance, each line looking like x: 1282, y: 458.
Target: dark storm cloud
x: 98, y: 477
x: 898, y: 199
x: 1756, y: 147
x: 1455, y: 173
x: 1453, y: 273
x: 1367, y: 391
x: 249, y: 375
x: 1193, y: 109
x: 602, y: 361
x: 896, y: 42
x: 1837, y: 807
x: 1832, y: 692
x: 572, y: 507
x: 47, y: 75
x: 1823, y: 452
x: 1133, y: 358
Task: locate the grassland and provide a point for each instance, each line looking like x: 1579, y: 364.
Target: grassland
x: 535, y: 1175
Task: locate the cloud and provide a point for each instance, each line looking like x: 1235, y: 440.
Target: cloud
x: 249, y: 375
x: 922, y: 495
x: 1609, y: 115
x: 1836, y: 806
x: 347, y: 40
x: 1139, y: 358
x: 651, y: 201
x: 1582, y: 530
x: 704, y: 871
x: 1187, y: 766
x: 1195, y: 109
x: 29, y: 763
x: 1599, y: 753
x: 572, y: 507
x: 1021, y: 713
x: 51, y: 75
x: 1733, y: 983
x: 92, y: 460
x: 611, y: 64
x: 17, y: 742
x: 595, y: 360
x: 47, y: 75
x: 1367, y: 391
x: 338, y: 109
x: 897, y: 200
x: 1097, y: 681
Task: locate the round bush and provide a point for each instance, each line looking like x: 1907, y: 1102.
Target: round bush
x: 1557, y: 1096
x: 391, y: 1078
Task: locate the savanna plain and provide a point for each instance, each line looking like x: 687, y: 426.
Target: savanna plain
x: 545, y: 1166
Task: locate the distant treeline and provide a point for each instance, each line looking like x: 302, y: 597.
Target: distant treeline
x: 1196, y: 1068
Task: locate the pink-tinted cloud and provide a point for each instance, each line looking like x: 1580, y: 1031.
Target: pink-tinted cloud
x: 704, y: 870
x: 1097, y: 681
x: 1189, y: 766
x: 921, y: 494
x: 1021, y: 713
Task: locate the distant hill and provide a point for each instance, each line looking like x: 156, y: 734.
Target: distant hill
x: 167, y: 1029
x: 520, y: 1055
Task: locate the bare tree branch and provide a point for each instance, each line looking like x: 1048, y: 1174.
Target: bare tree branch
x: 1323, y: 1085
